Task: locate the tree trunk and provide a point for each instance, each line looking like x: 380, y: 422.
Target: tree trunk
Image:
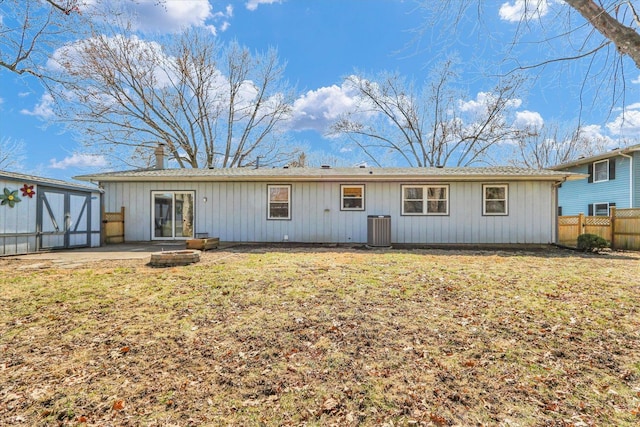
x: 626, y: 39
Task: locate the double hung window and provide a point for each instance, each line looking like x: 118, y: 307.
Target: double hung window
x: 352, y: 197
x: 425, y: 200
x: 495, y: 199
x: 279, y: 202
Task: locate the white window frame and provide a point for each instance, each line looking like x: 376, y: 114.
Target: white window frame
x: 595, y: 210
x: 606, y: 170
x: 425, y: 199
x: 269, y: 201
x: 485, y: 187
x: 342, y: 197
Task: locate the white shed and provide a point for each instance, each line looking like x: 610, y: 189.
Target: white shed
x: 420, y: 206
x: 40, y: 214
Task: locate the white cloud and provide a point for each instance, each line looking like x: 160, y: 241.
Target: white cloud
x: 79, y: 161
x: 528, y: 119
x: 318, y: 109
x: 627, y: 124
x: 43, y: 110
x: 479, y: 105
x: 160, y: 16
x: 253, y: 4
x: 518, y: 10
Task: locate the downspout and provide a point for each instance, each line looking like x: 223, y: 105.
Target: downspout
x: 630, y: 178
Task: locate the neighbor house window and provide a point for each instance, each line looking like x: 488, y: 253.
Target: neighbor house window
x: 425, y: 200
x: 601, y: 171
x: 352, y: 197
x: 279, y: 201
x: 600, y: 209
x: 495, y: 199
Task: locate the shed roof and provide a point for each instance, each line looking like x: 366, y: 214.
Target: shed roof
x: 609, y: 154
x: 334, y: 174
x: 32, y: 179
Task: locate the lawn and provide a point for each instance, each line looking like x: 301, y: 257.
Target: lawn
x: 324, y: 336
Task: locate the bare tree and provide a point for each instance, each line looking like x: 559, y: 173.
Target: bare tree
x: 30, y: 30
x: 11, y: 153
x: 599, y: 33
x: 427, y: 126
x: 602, y: 35
x: 210, y: 107
x: 551, y: 145
x: 616, y: 23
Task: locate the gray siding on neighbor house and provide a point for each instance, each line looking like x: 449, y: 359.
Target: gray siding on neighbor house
x: 237, y: 212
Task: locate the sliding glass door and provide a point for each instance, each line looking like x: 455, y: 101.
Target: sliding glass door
x: 172, y: 215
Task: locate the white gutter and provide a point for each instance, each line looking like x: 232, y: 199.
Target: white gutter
x: 630, y: 178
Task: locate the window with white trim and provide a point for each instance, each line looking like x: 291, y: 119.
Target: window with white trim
x: 601, y: 171
x: 279, y: 202
x: 425, y: 200
x: 495, y: 199
x: 600, y: 209
x: 352, y: 197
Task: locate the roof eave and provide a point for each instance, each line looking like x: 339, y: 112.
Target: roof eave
x: 332, y: 178
x: 603, y: 156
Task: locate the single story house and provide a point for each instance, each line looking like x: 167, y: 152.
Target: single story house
x: 40, y: 213
x: 419, y: 206
x: 613, y: 180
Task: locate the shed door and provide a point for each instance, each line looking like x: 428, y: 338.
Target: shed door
x: 63, y: 219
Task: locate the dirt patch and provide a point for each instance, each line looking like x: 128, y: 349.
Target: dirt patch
x: 329, y: 336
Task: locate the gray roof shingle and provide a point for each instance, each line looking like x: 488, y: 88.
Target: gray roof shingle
x: 33, y: 179
x: 332, y: 174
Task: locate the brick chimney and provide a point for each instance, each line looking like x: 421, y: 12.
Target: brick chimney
x: 161, y: 158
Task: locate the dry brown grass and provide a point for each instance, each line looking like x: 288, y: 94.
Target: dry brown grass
x: 276, y: 336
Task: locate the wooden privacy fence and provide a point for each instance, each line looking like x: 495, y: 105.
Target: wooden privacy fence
x: 113, y: 227
x: 621, y: 228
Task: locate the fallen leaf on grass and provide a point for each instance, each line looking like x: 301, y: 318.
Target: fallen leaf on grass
x: 330, y: 404
x: 118, y: 405
x: 437, y: 419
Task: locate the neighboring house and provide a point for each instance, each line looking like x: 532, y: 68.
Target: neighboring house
x: 501, y: 205
x: 614, y: 180
x: 40, y: 213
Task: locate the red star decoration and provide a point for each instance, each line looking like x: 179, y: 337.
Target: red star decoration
x: 27, y: 191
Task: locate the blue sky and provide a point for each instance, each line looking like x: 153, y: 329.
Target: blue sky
x: 322, y: 42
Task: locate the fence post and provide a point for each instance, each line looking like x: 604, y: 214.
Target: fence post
x: 612, y: 219
x: 581, y: 224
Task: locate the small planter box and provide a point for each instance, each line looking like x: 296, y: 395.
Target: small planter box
x: 203, y: 244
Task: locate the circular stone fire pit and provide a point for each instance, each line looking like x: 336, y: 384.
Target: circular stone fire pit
x: 174, y: 258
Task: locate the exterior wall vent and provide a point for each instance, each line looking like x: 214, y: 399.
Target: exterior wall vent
x: 325, y: 167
